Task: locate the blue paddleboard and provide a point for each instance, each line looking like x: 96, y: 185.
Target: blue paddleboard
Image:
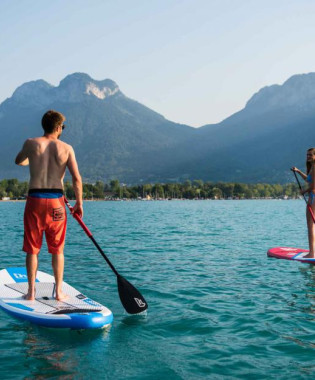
x: 76, y: 312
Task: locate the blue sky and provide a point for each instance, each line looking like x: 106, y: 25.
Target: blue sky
x: 195, y: 62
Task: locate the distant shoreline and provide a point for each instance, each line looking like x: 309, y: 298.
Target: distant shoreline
x: 12, y: 189
x: 167, y: 200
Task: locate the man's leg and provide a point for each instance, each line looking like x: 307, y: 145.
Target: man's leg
x: 33, y: 236
x: 31, y: 267
x: 55, y: 237
x: 58, y: 262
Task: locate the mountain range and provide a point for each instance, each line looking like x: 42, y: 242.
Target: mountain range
x: 117, y: 137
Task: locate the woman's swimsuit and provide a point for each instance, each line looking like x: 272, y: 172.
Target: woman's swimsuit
x: 311, y: 194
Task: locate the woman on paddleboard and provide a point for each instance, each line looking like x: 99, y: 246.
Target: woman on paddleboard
x: 310, y: 179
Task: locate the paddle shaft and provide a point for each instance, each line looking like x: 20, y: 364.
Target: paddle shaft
x: 89, y: 234
x: 308, y: 205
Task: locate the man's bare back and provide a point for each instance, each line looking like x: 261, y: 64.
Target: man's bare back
x: 48, y: 160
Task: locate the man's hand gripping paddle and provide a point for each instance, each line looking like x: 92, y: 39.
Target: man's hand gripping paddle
x: 130, y: 297
x: 308, y: 206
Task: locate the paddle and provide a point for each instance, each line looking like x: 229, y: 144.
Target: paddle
x: 308, y: 206
x: 130, y: 297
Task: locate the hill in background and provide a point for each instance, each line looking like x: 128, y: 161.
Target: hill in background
x: 117, y: 137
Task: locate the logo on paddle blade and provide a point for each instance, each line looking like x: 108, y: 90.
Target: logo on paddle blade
x: 139, y: 302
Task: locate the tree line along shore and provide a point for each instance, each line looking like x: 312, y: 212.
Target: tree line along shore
x: 12, y: 189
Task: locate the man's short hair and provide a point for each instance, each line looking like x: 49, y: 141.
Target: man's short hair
x: 51, y: 120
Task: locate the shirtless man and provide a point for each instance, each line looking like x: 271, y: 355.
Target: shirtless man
x: 48, y: 158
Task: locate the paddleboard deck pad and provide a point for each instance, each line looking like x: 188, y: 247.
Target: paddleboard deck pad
x: 288, y: 253
x: 75, y: 312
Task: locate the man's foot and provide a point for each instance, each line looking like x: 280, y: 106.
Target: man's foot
x: 29, y: 296
x: 309, y: 256
x: 61, y: 296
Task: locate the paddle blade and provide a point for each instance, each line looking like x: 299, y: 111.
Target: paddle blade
x: 130, y: 297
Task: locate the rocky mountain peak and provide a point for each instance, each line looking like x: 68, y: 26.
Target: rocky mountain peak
x: 73, y: 88
x: 33, y: 92
x: 80, y: 84
x: 298, y: 91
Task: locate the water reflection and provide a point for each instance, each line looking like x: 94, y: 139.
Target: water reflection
x: 308, y: 274
x: 59, y: 353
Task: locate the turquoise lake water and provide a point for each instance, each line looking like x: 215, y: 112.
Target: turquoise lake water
x: 218, y: 307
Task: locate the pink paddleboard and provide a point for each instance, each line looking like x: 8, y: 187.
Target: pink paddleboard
x: 288, y: 253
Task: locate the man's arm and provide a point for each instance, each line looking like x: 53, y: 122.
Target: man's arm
x: 76, y: 182
x: 22, y: 157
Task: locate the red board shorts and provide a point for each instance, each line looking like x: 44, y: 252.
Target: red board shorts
x: 45, y: 211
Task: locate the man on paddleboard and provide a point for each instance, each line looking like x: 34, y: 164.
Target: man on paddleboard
x: 48, y: 158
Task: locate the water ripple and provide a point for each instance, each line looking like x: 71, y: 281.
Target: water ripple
x: 219, y: 308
